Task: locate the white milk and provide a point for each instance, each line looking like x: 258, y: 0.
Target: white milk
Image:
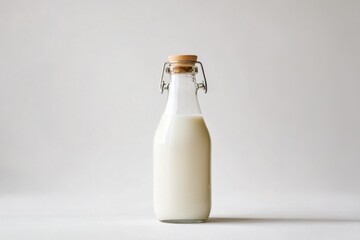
x: 182, y: 190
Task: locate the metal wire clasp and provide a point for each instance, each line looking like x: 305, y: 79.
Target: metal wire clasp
x: 165, y: 86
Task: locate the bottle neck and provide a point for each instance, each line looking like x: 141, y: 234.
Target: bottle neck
x: 182, y: 97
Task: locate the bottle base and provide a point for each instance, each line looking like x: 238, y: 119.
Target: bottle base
x: 183, y: 221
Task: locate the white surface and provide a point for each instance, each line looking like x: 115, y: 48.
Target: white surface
x: 74, y: 217
x: 79, y: 105
x: 143, y: 228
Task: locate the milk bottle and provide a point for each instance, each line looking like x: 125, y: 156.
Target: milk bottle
x: 182, y: 148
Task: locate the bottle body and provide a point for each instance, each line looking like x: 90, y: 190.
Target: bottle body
x: 182, y: 169
x: 182, y: 152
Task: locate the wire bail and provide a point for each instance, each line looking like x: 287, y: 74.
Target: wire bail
x: 165, y: 86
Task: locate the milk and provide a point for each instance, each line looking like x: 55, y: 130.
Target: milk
x: 182, y: 191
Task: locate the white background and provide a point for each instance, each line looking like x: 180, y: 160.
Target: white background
x: 79, y: 104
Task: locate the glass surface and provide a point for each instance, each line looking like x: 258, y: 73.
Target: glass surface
x: 182, y: 97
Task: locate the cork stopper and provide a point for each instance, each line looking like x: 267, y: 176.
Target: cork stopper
x: 186, y: 64
x: 190, y: 58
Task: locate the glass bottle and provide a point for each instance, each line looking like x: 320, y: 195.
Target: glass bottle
x: 182, y: 148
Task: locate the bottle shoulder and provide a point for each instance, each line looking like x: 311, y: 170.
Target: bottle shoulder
x: 182, y: 127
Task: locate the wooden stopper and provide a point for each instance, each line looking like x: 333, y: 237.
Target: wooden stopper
x: 190, y: 58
